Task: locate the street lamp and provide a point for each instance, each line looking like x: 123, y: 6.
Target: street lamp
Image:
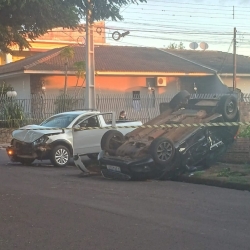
x: 11, y: 93
x: 195, y: 88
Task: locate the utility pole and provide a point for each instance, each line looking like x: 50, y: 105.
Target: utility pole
x: 234, y: 60
x: 90, y: 99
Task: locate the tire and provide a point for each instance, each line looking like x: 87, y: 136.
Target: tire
x: 92, y: 156
x: 111, y: 140
x: 60, y: 156
x: 172, y: 170
x: 162, y: 151
x: 179, y: 99
x: 26, y: 161
x: 228, y: 107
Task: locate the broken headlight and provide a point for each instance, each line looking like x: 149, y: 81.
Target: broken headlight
x: 41, y: 140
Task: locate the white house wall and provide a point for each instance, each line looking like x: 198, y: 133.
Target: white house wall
x: 54, y: 85
x: 242, y: 83
x: 21, y: 85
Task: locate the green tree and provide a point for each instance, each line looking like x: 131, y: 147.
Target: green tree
x: 4, y: 88
x: 104, y: 9
x: 22, y: 19
x: 80, y: 73
x: 176, y: 46
x: 67, y: 53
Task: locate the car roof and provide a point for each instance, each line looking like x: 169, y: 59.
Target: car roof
x: 78, y: 112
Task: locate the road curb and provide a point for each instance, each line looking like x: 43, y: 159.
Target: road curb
x: 215, y: 183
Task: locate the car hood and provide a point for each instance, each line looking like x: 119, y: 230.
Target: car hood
x: 31, y: 133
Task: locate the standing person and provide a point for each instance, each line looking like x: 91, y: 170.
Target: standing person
x: 122, y: 115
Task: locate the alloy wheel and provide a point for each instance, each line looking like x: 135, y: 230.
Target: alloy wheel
x: 61, y: 156
x: 164, y: 151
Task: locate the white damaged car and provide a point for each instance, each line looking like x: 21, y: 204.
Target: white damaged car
x: 53, y: 138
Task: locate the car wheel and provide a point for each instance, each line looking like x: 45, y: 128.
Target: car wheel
x: 92, y: 156
x: 179, y: 99
x: 228, y: 108
x: 26, y: 161
x: 172, y: 169
x: 162, y: 151
x: 60, y: 156
x: 112, y: 140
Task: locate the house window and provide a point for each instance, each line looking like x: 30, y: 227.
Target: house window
x: 136, y: 100
x: 150, y: 82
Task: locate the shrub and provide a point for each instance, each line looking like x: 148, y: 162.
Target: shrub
x: 63, y: 103
x: 4, y: 88
x: 244, y: 132
x: 11, y: 114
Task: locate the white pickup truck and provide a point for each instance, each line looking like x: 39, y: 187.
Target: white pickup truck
x: 53, y: 138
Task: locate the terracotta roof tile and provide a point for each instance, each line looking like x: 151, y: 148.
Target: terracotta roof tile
x: 22, y: 64
x: 111, y: 59
x: 222, y: 62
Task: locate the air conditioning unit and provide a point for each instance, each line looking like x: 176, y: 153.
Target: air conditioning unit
x: 161, y: 82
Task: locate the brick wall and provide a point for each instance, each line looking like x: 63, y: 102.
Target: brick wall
x: 5, y: 135
x: 239, y: 152
x: 244, y: 108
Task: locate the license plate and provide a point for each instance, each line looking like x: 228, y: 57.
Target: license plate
x: 114, y: 168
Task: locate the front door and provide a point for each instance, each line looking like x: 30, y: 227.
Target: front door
x: 88, y: 141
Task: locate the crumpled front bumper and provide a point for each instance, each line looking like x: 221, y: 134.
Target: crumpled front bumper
x: 26, y: 150
x: 10, y: 150
x: 113, y: 167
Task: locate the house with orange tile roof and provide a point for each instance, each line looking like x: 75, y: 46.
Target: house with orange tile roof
x: 118, y: 69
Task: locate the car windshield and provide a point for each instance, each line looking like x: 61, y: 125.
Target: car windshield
x: 59, y: 121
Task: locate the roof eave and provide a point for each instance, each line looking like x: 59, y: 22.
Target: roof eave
x: 237, y: 74
x: 121, y: 73
x: 11, y: 74
x: 131, y: 73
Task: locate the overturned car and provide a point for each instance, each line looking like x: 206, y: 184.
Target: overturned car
x: 160, y: 151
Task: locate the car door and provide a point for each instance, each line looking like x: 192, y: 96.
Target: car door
x: 87, y: 140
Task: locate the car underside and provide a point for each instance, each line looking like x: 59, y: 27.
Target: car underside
x: 162, y: 151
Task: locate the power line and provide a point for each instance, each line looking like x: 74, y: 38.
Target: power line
x: 188, y: 15
x: 198, y: 4
x: 176, y: 24
x: 173, y: 31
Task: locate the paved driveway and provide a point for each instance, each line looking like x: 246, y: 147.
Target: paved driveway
x: 43, y: 207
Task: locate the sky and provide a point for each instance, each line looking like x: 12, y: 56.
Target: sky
x: 158, y: 23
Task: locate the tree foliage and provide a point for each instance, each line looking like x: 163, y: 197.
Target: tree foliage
x: 4, y: 88
x: 67, y: 53
x: 104, y: 9
x: 22, y: 19
x: 11, y: 112
x: 80, y: 73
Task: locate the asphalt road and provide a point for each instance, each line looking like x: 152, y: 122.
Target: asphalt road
x: 43, y: 207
